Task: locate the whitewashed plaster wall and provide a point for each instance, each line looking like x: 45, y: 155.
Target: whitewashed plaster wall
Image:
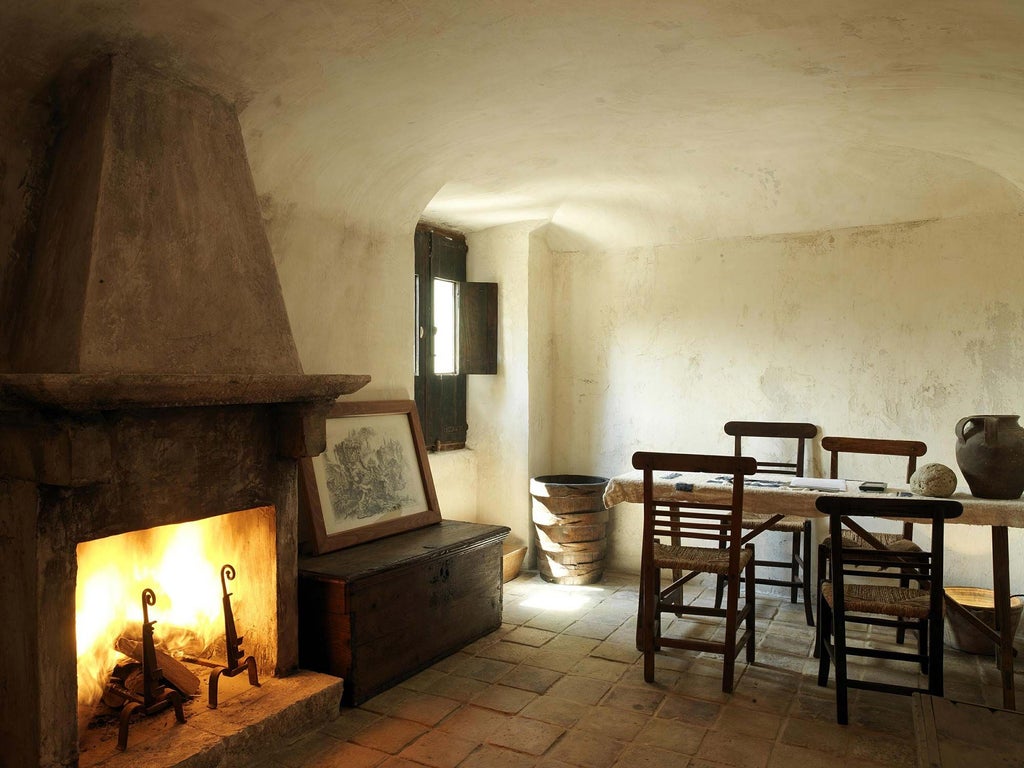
x: 501, y: 409
x: 886, y: 331
x: 349, y: 295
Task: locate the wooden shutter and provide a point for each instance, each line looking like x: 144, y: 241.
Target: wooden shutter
x: 478, y: 328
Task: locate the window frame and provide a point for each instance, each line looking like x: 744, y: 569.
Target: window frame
x: 441, y: 398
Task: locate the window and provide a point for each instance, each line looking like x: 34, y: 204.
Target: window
x: 456, y: 335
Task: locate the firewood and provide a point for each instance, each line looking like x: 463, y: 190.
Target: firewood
x: 127, y: 674
x: 174, y: 672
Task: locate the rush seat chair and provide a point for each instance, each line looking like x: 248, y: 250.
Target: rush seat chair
x: 878, y: 597
x: 794, y: 436
x: 687, y: 535
x: 856, y: 536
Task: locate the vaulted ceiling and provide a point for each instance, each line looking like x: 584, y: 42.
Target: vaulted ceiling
x: 619, y: 121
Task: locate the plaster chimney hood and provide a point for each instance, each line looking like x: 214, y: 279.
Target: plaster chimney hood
x: 153, y: 283
x: 152, y: 380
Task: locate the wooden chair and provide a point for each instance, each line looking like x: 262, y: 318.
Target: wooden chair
x: 876, y: 599
x: 799, y: 563
x: 668, y: 526
x: 857, y: 537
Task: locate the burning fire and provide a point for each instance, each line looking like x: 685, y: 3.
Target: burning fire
x: 181, y: 564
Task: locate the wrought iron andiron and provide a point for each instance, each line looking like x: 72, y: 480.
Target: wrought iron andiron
x: 234, y: 643
x: 155, y: 695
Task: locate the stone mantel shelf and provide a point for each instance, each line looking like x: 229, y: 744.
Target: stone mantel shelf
x: 77, y: 392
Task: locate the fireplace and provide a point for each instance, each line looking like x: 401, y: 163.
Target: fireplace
x: 151, y: 381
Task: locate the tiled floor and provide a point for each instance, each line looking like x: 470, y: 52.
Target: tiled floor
x: 561, y: 684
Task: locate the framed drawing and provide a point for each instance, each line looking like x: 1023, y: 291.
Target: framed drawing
x: 373, y: 480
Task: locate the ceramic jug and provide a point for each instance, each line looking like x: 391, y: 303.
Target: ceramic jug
x: 990, y: 453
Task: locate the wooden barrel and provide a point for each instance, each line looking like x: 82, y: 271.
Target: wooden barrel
x: 571, y: 525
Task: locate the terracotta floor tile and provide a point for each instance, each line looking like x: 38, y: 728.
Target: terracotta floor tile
x: 645, y: 699
x: 583, y: 690
x: 552, y: 710
x: 439, y: 749
x: 424, y: 708
x: 672, y: 735
x: 489, y: 756
x: 521, y: 734
x: 647, y: 756
x: 389, y: 734
x: 734, y: 750
x: 529, y: 636
x: 504, y: 699
x: 474, y: 723
x: 457, y: 687
x: 540, y: 693
x: 587, y: 750
x: 614, y: 723
x: 530, y: 678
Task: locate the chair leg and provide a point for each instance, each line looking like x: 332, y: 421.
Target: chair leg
x: 805, y: 570
x: 823, y: 556
x: 922, y: 644
x: 824, y: 636
x: 732, y: 598
x: 839, y: 649
x: 751, y: 614
x: 650, y: 585
x: 794, y: 571
x: 719, y: 590
x: 901, y: 631
x: 935, y: 653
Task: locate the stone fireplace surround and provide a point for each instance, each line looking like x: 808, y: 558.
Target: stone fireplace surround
x: 74, y: 470
x: 151, y: 379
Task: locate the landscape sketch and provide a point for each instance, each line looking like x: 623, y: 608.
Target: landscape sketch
x: 369, y: 471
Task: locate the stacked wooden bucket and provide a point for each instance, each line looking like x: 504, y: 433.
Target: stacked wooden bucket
x: 571, y: 523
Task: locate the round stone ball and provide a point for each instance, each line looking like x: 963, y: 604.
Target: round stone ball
x: 933, y: 480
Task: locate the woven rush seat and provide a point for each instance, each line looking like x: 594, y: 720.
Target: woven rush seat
x: 895, y: 542
x: 703, y: 559
x: 891, y: 601
x: 788, y: 524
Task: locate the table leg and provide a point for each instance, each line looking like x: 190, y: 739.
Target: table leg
x: 1001, y: 598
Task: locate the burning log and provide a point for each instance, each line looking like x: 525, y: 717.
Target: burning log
x: 126, y: 675
x: 174, y: 672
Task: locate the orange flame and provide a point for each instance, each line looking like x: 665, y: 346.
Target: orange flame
x: 181, y: 564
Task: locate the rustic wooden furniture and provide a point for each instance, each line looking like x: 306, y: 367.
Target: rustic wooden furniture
x: 878, y: 597
x: 795, y: 434
x: 718, y: 524
x: 998, y: 514
x: 955, y: 734
x: 911, y: 449
x: 378, y: 613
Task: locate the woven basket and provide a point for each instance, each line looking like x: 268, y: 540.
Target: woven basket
x: 961, y: 635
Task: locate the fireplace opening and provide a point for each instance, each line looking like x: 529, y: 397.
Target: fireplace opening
x: 205, y: 578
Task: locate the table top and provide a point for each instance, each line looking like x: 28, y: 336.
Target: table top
x: 772, y: 494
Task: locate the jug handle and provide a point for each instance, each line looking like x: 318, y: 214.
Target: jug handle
x: 963, y: 435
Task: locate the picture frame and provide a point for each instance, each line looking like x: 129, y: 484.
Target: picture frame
x: 372, y: 481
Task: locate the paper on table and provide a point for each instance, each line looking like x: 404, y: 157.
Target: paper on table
x: 818, y: 483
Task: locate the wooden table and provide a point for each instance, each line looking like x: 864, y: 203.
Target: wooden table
x: 955, y: 734
x: 768, y: 495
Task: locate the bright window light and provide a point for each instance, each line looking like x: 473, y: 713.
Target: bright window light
x: 444, y: 326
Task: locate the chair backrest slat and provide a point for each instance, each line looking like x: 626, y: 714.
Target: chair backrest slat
x: 683, y: 519
x: 911, y: 449
x: 799, y: 431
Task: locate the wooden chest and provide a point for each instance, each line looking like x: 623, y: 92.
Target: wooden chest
x: 378, y: 613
